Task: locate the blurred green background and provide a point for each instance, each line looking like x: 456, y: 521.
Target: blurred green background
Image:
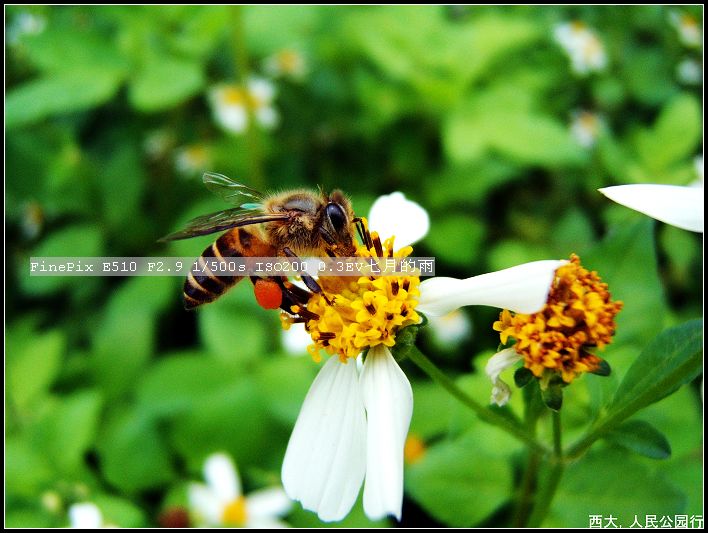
x: 115, y: 394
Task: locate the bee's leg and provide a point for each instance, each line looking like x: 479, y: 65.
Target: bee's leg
x: 363, y: 232
x: 306, y: 278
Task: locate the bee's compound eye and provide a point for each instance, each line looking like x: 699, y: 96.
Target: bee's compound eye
x: 336, y: 216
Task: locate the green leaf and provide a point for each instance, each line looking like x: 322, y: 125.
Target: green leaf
x: 165, y: 82
x: 672, y: 358
x: 459, y: 238
x: 175, y: 384
x: 522, y: 377
x: 133, y: 454
x: 676, y: 135
x: 612, y: 482
x: 443, y: 481
x: 32, y: 365
x: 71, y: 431
x: 27, y: 471
x: 233, y: 332
x: 59, y: 95
x: 642, y: 438
x: 233, y: 418
x: 72, y: 241
x: 626, y: 261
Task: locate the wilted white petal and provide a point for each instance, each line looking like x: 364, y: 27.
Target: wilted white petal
x: 204, y: 504
x: 267, y: 503
x: 673, y: 204
x: 495, y: 366
x: 222, y: 477
x: 393, y: 214
x: 523, y: 289
x: 85, y: 516
x: 296, y: 339
x: 325, y: 462
x: 388, y: 399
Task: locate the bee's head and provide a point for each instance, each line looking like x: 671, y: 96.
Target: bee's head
x: 336, y: 227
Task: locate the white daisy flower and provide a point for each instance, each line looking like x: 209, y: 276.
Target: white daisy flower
x: 394, y: 214
x: 583, y: 47
x: 353, y: 424
x: 296, y: 340
x: 286, y: 63
x: 231, y: 105
x: 220, y: 502
x: 680, y: 206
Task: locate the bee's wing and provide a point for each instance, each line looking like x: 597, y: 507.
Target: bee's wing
x: 223, y: 220
x: 231, y: 191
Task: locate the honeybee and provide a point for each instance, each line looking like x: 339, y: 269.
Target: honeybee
x: 288, y: 224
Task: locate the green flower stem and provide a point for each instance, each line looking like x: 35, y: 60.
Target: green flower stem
x: 533, y: 408
x: 489, y: 416
x: 240, y: 51
x: 548, y: 489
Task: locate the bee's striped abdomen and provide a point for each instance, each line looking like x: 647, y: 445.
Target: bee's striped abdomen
x: 202, y: 285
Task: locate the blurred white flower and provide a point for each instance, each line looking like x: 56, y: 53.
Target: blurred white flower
x: 232, y: 104
x: 24, y: 23
x: 680, y: 206
x: 585, y: 128
x: 582, y: 45
x: 158, y: 143
x: 286, y: 63
x: 689, y: 72
x: 450, y: 329
x: 192, y: 159
x: 87, y: 515
x: 689, y: 31
x: 220, y: 502
x: 393, y: 214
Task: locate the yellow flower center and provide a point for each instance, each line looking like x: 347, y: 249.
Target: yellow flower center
x: 353, y: 314
x: 578, y: 315
x: 235, y: 513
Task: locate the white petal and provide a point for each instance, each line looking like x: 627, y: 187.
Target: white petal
x: 296, y: 339
x: 393, y: 214
x: 495, y: 366
x: 267, y: 503
x: 85, y: 516
x: 206, y: 506
x: 325, y: 462
x: 673, y: 204
x: 523, y: 288
x: 389, y: 405
x: 222, y: 477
